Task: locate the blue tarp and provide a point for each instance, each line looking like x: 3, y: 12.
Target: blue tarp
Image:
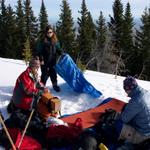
x: 69, y: 71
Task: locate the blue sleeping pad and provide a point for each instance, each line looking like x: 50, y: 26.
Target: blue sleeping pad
x: 69, y: 71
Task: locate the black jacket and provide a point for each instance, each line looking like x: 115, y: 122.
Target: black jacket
x: 48, y: 52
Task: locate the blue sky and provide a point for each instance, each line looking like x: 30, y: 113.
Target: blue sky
x: 94, y: 6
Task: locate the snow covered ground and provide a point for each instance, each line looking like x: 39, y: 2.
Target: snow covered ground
x: 72, y: 102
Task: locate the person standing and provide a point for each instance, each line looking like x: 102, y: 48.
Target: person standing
x: 47, y: 49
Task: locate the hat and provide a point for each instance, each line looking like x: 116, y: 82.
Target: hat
x: 129, y: 83
x: 34, y: 62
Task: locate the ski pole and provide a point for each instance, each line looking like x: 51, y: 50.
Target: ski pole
x: 31, y: 114
x: 7, y: 133
x: 29, y: 119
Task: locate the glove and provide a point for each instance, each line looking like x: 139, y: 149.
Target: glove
x: 63, y: 54
x: 36, y: 99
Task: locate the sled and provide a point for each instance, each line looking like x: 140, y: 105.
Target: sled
x: 92, y: 116
x: 70, y: 72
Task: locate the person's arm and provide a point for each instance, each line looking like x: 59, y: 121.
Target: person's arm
x: 25, y: 84
x: 58, y: 48
x: 39, y: 48
x: 130, y: 110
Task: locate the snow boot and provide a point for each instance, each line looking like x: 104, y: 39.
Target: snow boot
x: 56, y: 87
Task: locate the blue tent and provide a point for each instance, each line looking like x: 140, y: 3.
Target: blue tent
x: 69, y: 71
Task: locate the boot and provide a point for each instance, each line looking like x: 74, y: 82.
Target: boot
x: 56, y: 87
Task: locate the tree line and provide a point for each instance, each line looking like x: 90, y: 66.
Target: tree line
x: 115, y: 46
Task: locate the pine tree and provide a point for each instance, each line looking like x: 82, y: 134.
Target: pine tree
x: 143, y: 42
x: 20, y: 23
x: 27, y: 52
x: 116, y: 25
x: 3, y: 28
x: 116, y: 29
x: 65, y: 30
x: 91, y: 31
x: 11, y: 39
x: 31, y: 23
x: 101, y: 31
x: 128, y: 54
x: 43, y: 17
x: 84, y: 34
x: 7, y: 32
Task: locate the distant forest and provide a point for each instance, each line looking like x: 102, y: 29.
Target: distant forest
x: 114, y: 46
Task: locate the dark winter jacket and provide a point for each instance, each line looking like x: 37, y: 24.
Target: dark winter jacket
x: 25, y: 89
x: 137, y: 111
x: 48, y: 51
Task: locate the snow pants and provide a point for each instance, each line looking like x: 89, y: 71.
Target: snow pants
x: 48, y: 72
x: 131, y: 135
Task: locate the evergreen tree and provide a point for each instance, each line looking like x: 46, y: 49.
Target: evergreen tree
x: 43, y: 17
x: 7, y: 32
x: 116, y: 25
x: 20, y: 23
x: 101, y: 31
x: 27, y: 52
x: 11, y: 39
x: 128, y: 54
x: 116, y: 29
x: 143, y: 46
x: 84, y: 34
x: 91, y: 29
x: 3, y: 29
x: 31, y: 23
x: 65, y: 30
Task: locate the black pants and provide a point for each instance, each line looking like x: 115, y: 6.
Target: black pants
x: 48, y: 72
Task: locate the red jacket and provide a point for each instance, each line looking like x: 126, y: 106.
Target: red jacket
x: 25, y: 89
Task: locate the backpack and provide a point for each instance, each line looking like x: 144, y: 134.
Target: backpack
x: 28, y: 142
x: 86, y: 141
x: 61, y: 136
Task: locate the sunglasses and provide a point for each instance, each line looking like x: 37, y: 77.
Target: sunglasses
x: 50, y: 32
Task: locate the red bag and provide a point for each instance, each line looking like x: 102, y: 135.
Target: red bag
x: 68, y: 132
x: 28, y: 142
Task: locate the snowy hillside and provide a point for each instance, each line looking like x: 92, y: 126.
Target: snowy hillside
x: 72, y: 102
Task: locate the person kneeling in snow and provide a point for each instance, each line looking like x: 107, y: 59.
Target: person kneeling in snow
x: 27, y: 92
x: 136, y: 114
x: 28, y: 87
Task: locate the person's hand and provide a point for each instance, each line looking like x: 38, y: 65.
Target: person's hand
x: 42, y: 62
x: 34, y: 106
x: 46, y: 90
x: 36, y: 99
x: 36, y: 76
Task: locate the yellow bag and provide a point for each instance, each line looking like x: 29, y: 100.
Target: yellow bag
x: 102, y: 147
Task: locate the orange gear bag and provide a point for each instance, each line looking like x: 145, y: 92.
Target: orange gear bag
x: 48, y: 106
